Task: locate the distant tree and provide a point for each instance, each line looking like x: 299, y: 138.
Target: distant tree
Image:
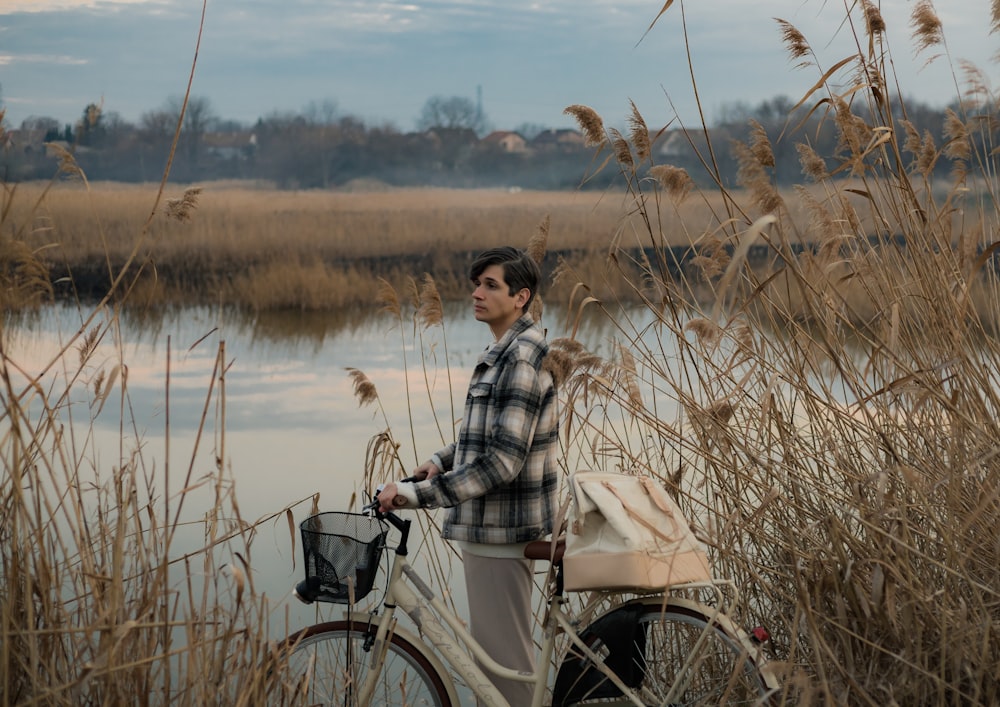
x: 229, y: 126
x: 43, y: 124
x: 281, y: 150
x: 324, y: 113
x: 157, y: 126
x: 529, y: 131
x: 90, y: 129
x: 117, y: 130
x: 198, y: 120
x: 3, y: 118
x: 455, y: 112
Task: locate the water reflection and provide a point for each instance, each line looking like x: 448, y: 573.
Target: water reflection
x: 283, y: 420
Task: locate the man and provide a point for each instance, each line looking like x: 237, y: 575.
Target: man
x: 499, y: 478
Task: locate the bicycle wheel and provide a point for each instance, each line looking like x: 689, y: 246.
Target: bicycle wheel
x: 676, y: 652
x: 330, y: 661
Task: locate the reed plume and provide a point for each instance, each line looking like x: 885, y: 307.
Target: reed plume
x: 795, y: 43
x: 24, y: 277
x: 364, y: 389
x: 813, y: 165
x: 538, y: 243
x: 708, y: 333
x: 958, y: 146
x: 621, y: 148
x: 926, y: 25
x: 853, y: 130
x: 676, y: 181
x: 874, y: 22
x: 912, y: 144
x: 591, y: 124
x: 638, y: 133
x: 753, y: 175
x: 760, y: 145
x: 180, y: 209
x: 712, y: 258
x: 431, y: 310
x: 822, y: 223
x: 928, y: 155
x: 388, y: 298
x: 631, y: 377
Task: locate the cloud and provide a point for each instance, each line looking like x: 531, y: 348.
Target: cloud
x: 381, y: 60
x: 11, y: 7
x: 56, y: 59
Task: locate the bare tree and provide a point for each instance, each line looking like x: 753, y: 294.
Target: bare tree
x: 325, y: 113
x: 198, y: 120
x: 451, y: 112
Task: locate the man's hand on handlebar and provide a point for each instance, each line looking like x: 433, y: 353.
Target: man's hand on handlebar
x: 389, y: 498
x: 425, y: 471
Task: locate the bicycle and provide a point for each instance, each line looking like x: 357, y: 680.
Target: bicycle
x: 652, y: 649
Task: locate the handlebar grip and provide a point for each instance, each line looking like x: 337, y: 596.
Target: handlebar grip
x: 373, y: 506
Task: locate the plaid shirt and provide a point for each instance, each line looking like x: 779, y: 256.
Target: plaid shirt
x: 500, y: 477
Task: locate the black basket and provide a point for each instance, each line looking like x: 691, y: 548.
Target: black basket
x: 341, y: 549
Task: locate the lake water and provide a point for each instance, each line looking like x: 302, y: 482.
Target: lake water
x: 292, y: 425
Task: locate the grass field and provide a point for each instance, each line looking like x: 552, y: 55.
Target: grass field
x: 260, y: 248
x: 264, y: 248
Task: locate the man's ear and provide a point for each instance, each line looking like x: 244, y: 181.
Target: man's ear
x: 522, y: 297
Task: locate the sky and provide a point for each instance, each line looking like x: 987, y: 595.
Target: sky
x: 522, y: 61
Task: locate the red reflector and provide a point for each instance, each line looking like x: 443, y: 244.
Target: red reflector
x: 759, y: 634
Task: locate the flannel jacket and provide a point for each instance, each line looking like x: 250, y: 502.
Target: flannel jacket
x: 499, y: 478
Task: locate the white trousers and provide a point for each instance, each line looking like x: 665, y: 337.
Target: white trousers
x: 501, y: 620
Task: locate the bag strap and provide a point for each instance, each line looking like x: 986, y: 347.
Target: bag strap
x: 654, y: 493
x: 637, y: 517
x: 559, y: 525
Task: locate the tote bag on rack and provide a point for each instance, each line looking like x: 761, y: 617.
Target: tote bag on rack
x: 626, y: 532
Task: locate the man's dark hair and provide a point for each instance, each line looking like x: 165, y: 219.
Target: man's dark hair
x: 519, y: 270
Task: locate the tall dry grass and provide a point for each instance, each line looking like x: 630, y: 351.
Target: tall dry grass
x: 836, y: 434
x: 264, y: 249
x: 830, y: 424
x: 126, y: 579
x: 122, y: 584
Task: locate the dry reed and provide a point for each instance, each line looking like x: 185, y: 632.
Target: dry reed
x: 829, y: 425
x: 834, y: 423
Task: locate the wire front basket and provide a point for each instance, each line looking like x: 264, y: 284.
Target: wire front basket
x: 342, y: 553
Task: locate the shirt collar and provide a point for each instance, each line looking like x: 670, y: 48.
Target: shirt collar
x: 490, y: 355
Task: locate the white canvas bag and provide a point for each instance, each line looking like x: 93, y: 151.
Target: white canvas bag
x: 626, y: 532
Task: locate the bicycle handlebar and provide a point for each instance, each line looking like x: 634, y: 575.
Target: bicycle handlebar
x: 388, y: 516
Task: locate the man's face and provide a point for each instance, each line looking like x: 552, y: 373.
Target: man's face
x: 492, y: 301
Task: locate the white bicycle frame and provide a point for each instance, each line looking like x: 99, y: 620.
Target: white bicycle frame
x: 425, y: 608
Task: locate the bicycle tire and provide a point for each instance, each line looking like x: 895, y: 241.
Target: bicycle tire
x: 327, y: 661
x: 725, y: 670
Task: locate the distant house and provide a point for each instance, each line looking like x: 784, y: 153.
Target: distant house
x: 507, y: 141
x: 671, y: 145
x: 559, y: 139
x: 450, y: 137
x: 679, y: 147
x: 26, y: 141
